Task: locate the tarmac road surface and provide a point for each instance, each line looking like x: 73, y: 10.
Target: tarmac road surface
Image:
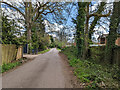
x: 45, y: 71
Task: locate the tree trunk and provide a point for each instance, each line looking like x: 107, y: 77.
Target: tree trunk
x: 86, y: 39
x: 80, y: 29
x: 112, y: 33
x: 86, y: 35
x: 28, y: 20
x: 29, y: 38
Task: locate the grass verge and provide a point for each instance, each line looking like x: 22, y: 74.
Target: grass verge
x: 42, y: 52
x: 8, y: 66
x: 92, y: 74
x: 58, y: 49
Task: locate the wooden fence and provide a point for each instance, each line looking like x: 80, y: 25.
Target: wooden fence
x: 10, y: 53
x: 19, y: 52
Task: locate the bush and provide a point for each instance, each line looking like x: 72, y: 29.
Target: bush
x: 44, y: 51
x: 97, y: 53
x: 52, y: 45
x: 97, y: 75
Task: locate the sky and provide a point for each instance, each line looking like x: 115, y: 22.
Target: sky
x: 73, y: 14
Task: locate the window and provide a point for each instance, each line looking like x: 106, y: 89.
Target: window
x: 102, y: 41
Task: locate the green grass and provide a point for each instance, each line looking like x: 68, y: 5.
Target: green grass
x: 6, y: 67
x: 58, y: 49
x: 94, y: 74
x: 42, y: 52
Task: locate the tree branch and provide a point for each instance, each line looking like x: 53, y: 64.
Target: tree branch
x: 37, y: 9
x: 100, y: 15
x: 14, y: 8
x: 40, y: 12
x: 48, y: 12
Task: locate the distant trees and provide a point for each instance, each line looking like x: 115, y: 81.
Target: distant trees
x: 40, y: 40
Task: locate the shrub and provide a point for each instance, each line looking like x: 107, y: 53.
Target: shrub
x: 88, y: 71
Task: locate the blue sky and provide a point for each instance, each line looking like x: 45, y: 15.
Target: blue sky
x: 73, y: 14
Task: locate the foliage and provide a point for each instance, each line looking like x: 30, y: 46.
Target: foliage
x: 60, y: 44
x: 52, y: 45
x: 42, y: 52
x: 51, y: 38
x: 58, y: 49
x: 83, y: 33
x: 10, y: 32
x: 97, y: 53
x: 93, y: 74
x: 40, y: 40
x: 114, y: 22
x: 80, y: 28
x: 33, y: 11
x: 6, y: 67
x: 71, y: 52
x: 57, y: 43
x: 44, y: 43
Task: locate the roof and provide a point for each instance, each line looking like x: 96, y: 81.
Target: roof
x: 103, y: 36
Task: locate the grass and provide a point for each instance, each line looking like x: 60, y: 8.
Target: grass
x: 6, y: 67
x: 42, y: 52
x: 93, y: 74
x: 58, y: 49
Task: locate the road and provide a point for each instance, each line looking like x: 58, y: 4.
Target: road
x: 45, y: 71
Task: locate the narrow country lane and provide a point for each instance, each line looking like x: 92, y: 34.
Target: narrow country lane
x: 45, y: 71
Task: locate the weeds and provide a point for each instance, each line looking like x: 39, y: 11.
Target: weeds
x: 97, y: 75
x: 6, y: 67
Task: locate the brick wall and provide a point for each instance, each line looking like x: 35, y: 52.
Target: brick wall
x: 118, y: 41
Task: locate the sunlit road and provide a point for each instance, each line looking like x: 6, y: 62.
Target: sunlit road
x: 45, y: 71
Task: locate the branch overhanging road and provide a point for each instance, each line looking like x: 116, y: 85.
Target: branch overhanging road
x: 45, y: 71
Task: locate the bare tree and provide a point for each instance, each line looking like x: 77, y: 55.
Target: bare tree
x: 32, y: 10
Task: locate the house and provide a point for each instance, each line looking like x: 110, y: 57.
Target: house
x: 118, y: 41
x: 102, y: 39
